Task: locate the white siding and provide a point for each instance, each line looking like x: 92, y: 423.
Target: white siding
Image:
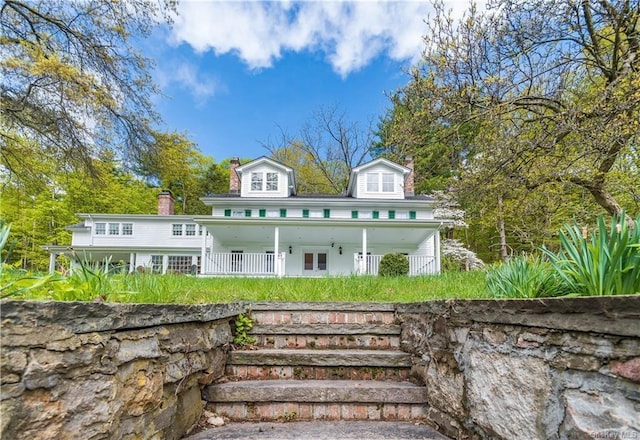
x: 245, y: 185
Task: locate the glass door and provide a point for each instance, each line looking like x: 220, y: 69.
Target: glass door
x: 314, y: 263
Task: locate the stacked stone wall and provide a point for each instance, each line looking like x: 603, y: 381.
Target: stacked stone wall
x: 105, y: 371
x: 561, y: 368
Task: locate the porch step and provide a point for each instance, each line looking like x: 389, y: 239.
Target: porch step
x: 323, y: 313
x: 321, y: 358
x: 323, y: 336
x: 289, y: 400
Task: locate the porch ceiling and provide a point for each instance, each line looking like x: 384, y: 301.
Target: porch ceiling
x: 318, y: 235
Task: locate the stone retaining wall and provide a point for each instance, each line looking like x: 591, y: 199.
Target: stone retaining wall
x: 562, y: 368
x: 106, y: 371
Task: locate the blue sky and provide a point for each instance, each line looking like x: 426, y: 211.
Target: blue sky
x: 234, y: 73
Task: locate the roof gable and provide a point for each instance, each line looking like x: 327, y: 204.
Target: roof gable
x: 380, y: 162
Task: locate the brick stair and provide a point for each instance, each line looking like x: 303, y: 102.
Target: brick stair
x: 320, y: 361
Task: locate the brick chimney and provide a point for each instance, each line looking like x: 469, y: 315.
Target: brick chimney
x: 234, y: 180
x: 409, y: 189
x: 165, y: 203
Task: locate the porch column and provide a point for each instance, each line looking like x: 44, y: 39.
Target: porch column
x: 276, y: 250
x: 436, y: 250
x: 165, y: 264
x: 52, y: 262
x: 363, y: 261
x: 203, y: 251
x: 132, y: 262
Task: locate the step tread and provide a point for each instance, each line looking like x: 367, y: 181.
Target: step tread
x: 322, y: 306
x: 325, y: 357
x: 325, y: 329
x: 321, y: 391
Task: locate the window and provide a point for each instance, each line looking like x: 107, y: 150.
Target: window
x: 127, y: 229
x: 283, y: 212
x: 392, y: 214
x: 256, y: 181
x: 156, y: 263
x: 372, y: 182
x: 227, y: 213
x: 200, y: 229
x: 326, y: 213
x: 101, y: 228
x: 176, y: 230
x: 376, y: 214
x: 179, y: 263
x: 247, y: 213
x: 305, y: 213
x: 190, y: 230
x: 263, y: 213
x: 387, y: 182
x: 114, y: 228
x: 354, y: 214
x: 412, y: 215
x: 272, y: 181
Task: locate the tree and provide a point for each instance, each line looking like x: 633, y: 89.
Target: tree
x: 72, y: 80
x: 310, y: 179
x: 332, y: 143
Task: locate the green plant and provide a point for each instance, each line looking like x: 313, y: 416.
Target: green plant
x: 16, y: 282
x: 243, y: 325
x: 604, y: 262
x: 524, y: 277
x: 393, y: 265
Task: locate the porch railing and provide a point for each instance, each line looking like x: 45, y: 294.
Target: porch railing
x: 244, y: 264
x: 418, y: 264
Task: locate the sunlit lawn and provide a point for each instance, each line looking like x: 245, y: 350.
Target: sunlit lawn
x: 147, y: 288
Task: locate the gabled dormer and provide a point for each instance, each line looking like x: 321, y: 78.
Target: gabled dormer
x: 379, y: 179
x: 265, y: 177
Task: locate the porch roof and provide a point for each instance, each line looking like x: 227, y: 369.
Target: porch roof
x: 319, y: 231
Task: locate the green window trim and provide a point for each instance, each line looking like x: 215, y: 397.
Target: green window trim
x: 354, y: 214
x: 326, y: 213
x: 376, y: 214
x: 227, y: 213
x: 412, y: 215
x: 305, y: 213
x: 247, y: 213
x: 283, y: 212
x: 263, y: 213
x: 392, y: 214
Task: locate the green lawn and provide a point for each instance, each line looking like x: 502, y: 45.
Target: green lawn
x: 145, y: 288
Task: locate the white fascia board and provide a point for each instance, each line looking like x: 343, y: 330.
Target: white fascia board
x: 335, y: 222
x: 168, y: 218
x: 231, y: 202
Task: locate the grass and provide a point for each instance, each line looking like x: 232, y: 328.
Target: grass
x: 148, y: 288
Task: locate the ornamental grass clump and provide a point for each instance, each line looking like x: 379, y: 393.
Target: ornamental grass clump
x: 526, y: 276
x: 393, y: 265
x: 602, y: 262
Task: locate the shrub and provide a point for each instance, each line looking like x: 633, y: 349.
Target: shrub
x: 524, y: 277
x: 393, y: 265
x: 602, y: 262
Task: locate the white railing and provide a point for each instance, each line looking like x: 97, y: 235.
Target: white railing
x: 244, y: 264
x: 418, y: 264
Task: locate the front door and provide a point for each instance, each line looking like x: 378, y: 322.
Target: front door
x: 314, y: 263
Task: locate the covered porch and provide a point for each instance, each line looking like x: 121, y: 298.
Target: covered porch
x: 315, y: 247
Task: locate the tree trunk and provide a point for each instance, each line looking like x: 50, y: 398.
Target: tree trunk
x: 504, y: 252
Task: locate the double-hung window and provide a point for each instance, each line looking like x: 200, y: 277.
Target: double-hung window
x: 387, y: 182
x: 380, y: 182
x: 190, y: 230
x: 176, y: 230
x: 101, y: 228
x: 256, y: 181
x: 114, y: 228
x: 372, y: 182
x: 272, y: 182
x: 127, y: 229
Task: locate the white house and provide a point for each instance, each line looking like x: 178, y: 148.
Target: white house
x: 262, y: 227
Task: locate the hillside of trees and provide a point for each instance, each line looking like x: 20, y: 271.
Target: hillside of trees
x: 527, y: 115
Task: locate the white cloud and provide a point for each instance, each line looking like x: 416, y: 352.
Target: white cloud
x: 187, y: 77
x: 349, y: 33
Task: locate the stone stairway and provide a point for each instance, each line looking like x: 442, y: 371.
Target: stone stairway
x: 320, y: 361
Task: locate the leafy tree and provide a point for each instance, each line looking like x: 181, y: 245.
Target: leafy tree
x: 72, y: 80
x: 309, y: 178
x: 528, y: 100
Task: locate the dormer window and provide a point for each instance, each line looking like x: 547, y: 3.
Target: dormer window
x: 261, y: 181
x: 380, y: 182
